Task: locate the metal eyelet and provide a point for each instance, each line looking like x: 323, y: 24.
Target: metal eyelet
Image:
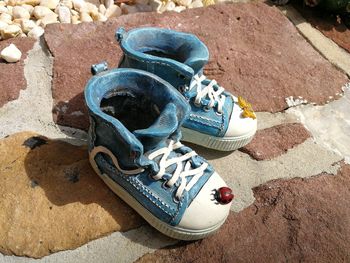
x: 175, y: 200
x: 183, y: 88
x: 150, y: 176
x: 165, y: 186
x: 181, y: 76
x: 218, y: 113
x: 206, y: 108
x: 196, y: 104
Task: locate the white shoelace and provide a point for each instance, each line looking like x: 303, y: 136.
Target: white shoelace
x: 214, y: 93
x: 182, y: 170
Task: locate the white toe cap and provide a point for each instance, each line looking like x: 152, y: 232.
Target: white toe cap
x: 240, y: 126
x: 205, y: 212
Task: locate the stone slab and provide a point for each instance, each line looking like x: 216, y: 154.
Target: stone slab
x: 51, y: 199
x: 298, y: 220
x: 328, y: 24
x: 272, y: 142
x: 254, y: 52
x: 12, y: 78
x: 324, y: 45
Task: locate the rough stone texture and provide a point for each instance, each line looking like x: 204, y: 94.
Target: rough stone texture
x: 329, y: 25
x: 329, y: 124
x: 11, y: 74
x: 274, y: 141
x: 298, y: 220
x: 51, y: 199
x: 257, y: 53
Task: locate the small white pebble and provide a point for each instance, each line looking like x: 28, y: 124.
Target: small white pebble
x: 79, y: 5
x: 179, y: 8
x: 90, y: 8
x: 64, y: 14
x: 74, y: 13
x: 29, y: 8
x: 113, y: 11
x: 75, y: 20
x: 85, y: 17
x: 27, y: 25
x: 196, y: 4
x: 7, y: 18
x: 52, y: 4
x: 3, y: 25
x: 36, y: 32
x: 20, y: 12
x: 49, y: 19
x: 108, y: 3
x: 3, y: 9
x: 102, y: 9
x: 9, y: 9
x: 41, y: 11
x: 31, y: 2
x: 11, y: 31
x: 170, y: 6
x: 99, y: 17
x: 67, y: 3
x: 11, y: 54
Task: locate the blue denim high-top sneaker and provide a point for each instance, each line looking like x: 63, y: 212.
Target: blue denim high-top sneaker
x: 134, y: 147
x: 218, y: 119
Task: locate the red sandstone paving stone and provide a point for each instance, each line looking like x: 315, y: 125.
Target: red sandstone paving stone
x: 254, y: 52
x: 327, y: 24
x: 298, y: 220
x: 11, y: 74
x: 272, y: 142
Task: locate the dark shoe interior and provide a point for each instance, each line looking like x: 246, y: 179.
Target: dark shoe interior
x: 161, y: 44
x: 160, y: 53
x: 134, y: 111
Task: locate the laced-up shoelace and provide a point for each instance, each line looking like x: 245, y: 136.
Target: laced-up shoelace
x: 212, y: 90
x: 182, y: 170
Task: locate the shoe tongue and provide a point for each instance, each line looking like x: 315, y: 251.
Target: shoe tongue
x: 156, y: 135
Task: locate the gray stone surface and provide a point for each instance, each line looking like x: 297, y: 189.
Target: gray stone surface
x: 242, y: 173
x: 329, y: 124
x: 118, y: 247
x: 32, y: 110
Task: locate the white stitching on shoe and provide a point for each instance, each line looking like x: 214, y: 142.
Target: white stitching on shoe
x: 136, y: 184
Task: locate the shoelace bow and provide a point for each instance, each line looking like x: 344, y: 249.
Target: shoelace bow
x: 182, y: 170
x: 212, y: 91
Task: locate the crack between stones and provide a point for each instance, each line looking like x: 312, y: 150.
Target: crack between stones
x: 32, y: 111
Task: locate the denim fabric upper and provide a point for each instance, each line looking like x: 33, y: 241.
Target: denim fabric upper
x: 175, y: 57
x: 131, y: 147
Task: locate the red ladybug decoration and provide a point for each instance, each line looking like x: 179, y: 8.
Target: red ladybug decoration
x: 224, y: 195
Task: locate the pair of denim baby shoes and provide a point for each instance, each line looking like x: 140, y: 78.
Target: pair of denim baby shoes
x: 138, y: 114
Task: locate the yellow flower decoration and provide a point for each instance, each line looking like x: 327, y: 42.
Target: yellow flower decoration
x: 247, y: 108
x: 208, y: 2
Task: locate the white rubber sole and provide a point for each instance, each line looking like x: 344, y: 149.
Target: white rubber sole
x: 171, y: 231
x: 217, y: 143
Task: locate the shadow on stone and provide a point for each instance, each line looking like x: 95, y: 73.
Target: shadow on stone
x: 53, y: 196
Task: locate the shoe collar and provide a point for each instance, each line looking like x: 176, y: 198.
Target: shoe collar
x: 136, y: 42
x: 140, y: 81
